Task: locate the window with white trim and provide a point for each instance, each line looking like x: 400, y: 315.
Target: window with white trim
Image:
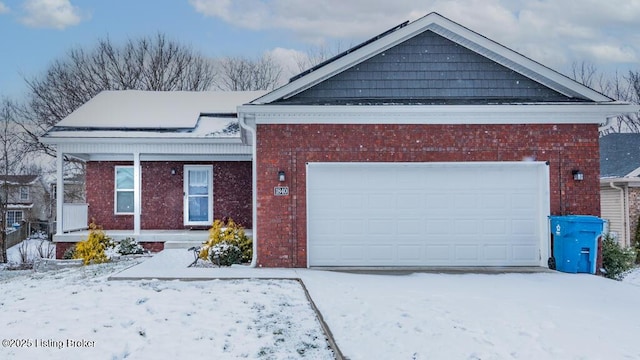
x: 124, y: 191
x: 24, y: 193
x: 14, y: 216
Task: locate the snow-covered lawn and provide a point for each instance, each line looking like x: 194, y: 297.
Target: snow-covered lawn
x: 269, y: 319
x: 420, y: 316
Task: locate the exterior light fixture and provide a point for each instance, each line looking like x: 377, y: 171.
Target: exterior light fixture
x: 577, y: 175
x: 281, y: 176
x: 173, y: 171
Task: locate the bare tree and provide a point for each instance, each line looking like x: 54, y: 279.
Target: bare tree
x: 147, y: 63
x: 584, y: 73
x: 11, y: 154
x: 618, y: 87
x: 316, y: 55
x: 243, y: 74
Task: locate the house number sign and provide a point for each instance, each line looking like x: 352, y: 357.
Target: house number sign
x: 281, y: 191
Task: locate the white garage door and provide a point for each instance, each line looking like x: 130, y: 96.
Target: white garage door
x: 427, y: 214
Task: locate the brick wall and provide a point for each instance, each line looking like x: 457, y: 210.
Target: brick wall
x: 162, y: 194
x: 634, y: 212
x: 282, y: 219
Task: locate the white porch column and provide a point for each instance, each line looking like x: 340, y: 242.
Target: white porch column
x: 59, y: 190
x: 137, y: 196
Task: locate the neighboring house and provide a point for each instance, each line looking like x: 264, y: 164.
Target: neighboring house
x: 428, y: 145
x: 74, y: 194
x: 28, y: 199
x: 620, y: 184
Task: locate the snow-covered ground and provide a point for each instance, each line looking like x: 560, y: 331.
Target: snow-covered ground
x: 420, y: 316
x: 77, y: 314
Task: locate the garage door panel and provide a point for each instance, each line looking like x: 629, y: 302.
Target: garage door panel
x: 466, y: 254
x: 438, y: 227
x: 411, y: 253
x: 410, y: 227
x: 382, y: 253
x: 465, y: 227
x: 496, y: 253
x: 495, y: 227
x: 429, y: 214
x: 523, y: 253
x: 352, y: 227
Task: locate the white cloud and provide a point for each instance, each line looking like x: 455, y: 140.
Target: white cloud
x: 56, y: 14
x: 608, y: 52
x: 290, y: 60
x: 3, y: 8
x: 545, y: 30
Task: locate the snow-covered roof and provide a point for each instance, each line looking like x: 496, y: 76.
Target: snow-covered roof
x: 136, y: 109
x: 18, y: 179
x: 204, y: 127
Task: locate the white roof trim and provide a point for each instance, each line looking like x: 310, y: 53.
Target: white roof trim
x: 619, y: 180
x: 634, y: 174
x: 454, y: 32
x: 437, y: 114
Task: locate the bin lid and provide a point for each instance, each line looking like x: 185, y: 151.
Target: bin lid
x: 577, y: 218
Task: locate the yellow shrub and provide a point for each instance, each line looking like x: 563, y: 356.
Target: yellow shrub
x: 231, y: 233
x: 93, y: 249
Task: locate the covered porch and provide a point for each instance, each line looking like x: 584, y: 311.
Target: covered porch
x: 160, y: 166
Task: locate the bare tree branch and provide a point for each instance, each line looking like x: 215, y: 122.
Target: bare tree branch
x: 242, y: 74
x: 622, y: 88
x: 148, y: 63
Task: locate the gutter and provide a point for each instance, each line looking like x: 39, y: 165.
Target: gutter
x: 254, y: 185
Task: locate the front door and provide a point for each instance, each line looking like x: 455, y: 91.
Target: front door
x: 198, y: 195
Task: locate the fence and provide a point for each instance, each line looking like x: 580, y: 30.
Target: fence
x: 17, y: 235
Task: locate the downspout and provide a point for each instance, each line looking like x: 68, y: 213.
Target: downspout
x: 625, y: 211
x: 254, y: 185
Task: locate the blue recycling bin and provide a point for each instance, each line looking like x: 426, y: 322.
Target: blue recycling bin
x: 575, y: 242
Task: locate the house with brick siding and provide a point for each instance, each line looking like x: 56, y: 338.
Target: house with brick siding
x: 160, y: 166
x: 620, y: 185
x: 427, y: 145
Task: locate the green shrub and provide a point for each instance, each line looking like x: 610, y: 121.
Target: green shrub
x: 93, y: 249
x: 233, y: 235
x: 129, y: 246
x: 225, y: 254
x: 69, y: 253
x: 615, y: 259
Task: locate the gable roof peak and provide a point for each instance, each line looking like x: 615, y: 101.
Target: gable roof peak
x: 449, y: 30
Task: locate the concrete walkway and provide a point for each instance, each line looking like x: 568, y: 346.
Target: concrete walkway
x: 172, y: 264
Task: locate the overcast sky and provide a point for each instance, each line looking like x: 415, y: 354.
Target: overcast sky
x: 556, y: 33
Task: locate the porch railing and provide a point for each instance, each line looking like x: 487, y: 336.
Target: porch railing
x: 75, y: 217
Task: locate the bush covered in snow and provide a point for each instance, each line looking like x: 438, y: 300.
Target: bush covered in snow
x: 231, y: 239
x: 93, y: 250
x: 129, y: 246
x: 225, y: 254
x: 616, y: 260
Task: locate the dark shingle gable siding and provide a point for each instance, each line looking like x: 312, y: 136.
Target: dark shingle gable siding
x: 427, y: 68
x: 619, y: 154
